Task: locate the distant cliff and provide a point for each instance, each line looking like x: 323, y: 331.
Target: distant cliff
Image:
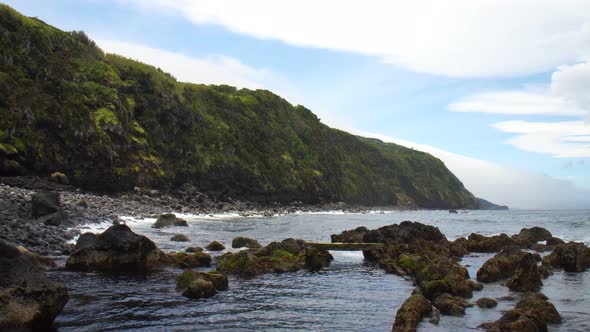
x: 111, y: 123
x: 487, y: 205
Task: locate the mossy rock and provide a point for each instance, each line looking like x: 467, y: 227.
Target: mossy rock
x: 215, y: 246
x: 244, y: 242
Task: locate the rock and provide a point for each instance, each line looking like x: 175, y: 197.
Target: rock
x: 117, y: 249
x: 405, y: 232
x: 480, y: 243
x: 411, y: 313
x: 352, y: 236
x: 503, y: 265
x: 169, y: 219
x: 196, y: 285
x: 453, y: 211
x: 243, y: 264
x: 44, y: 203
x: 316, y: 260
x: 215, y: 246
x: 572, y: 257
x: 527, y: 277
x: 451, y: 305
x: 534, y: 234
x: 55, y: 219
x: 241, y: 242
x: 190, y: 260
x: 29, y: 300
x: 193, y: 249
x: 180, y: 238
x: 486, y: 302
x: 554, y: 241
x: 531, y: 313
x: 60, y: 178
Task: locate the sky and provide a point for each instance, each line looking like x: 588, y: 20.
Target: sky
x: 497, y: 89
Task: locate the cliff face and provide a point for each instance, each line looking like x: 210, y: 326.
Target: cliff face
x: 111, y: 123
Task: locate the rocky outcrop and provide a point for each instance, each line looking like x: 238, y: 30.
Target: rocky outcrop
x: 571, y: 257
x: 479, y: 243
x: 196, y: 285
x: 554, y: 241
x: 486, y: 302
x: 352, y: 236
x: 215, y: 246
x: 190, y: 260
x: 168, y: 220
x: 180, y: 238
x: 405, y: 232
x: 503, y: 265
x: 118, y: 249
x: 534, y: 234
x: 193, y: 249
x: 411, y: 313
x: 451, y: 305
x: 532, y: 313
x: 244, y: 242
x: 28, y: 299
x: 289, y: 255
x: 527, y: 277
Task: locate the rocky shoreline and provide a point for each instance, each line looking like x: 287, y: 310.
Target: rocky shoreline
x: 18, y: 225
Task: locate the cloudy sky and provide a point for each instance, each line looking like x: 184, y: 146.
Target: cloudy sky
x: 497, y: 89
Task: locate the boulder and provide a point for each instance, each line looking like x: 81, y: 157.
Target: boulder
x: 503, y: 265
x: 554, y: 241
x: 531, y: 313
x: 411, y: 313
x: 28, y: 299
x: 168, y: 220
x: 479, y: 243
x: 60, y: 178
x: 453, y: 211
x: 534, y: 234
x: 44, y: 203
x: 352, y: 236
x: 193, y: 249
x: 316, y: 260
x: 118, y: 249
x: 55, y: 219
x: 451, y: 305
x: 405, y: 232
x: 527, y: 277
x: 572, y: 257
x: 243, y: 264
x: 486, y: 302
x: 190, y: 260
x: 215, y: 246
x: 242, y: 241
x: 196, y: 285
x: 180, y: 238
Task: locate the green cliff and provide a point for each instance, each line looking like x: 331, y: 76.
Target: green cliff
x: 111, y: 123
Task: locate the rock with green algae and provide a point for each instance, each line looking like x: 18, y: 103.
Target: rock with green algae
x: 503, y: 265
x: 196, y: 285
x: 532, y: 313
x: 451, y: 305
x: 527, y: 277
x: 244, y: 242
x: 571, y: 257
x: 189, y: 260
x: 215, y: 246
x: 180, y: 238
x: 411, y: 313
x: 486, y: 302
x: 168, y: 220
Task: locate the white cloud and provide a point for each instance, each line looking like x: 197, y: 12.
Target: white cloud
x: 454, y: 37
x: 566, y: 95
x: 504, y: 185
x: 210, y: 70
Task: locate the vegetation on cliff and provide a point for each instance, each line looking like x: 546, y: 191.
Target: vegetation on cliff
x: 111, y: 123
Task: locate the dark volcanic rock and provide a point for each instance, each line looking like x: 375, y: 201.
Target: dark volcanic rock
x: 196, y: 285
x: 486, y: 302
x: 352, y: 236
x: 215, y: 246
x: 117, y: 249
x: 316, y: 260
x: 28, y: 300
x: 55, y: 219
x: 572, y: 257
x: 451, y: 305
x: 189, y: 260
x: 194, y: 249
x: 480, y: 243
x: 554, y: 241
x: 180, y: 238
x: 44, y: 203
x: 242, y: 241
x: 411, y: 313
x: 534, y: 234
x: 503, y: 265
x: 527, y: 277
x: 169, y: 219
x: 405, y: 232
x: 531, y: 313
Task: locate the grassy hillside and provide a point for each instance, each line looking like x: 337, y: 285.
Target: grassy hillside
x: 111, y: 123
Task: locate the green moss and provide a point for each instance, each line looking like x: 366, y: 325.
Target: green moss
x: 8, y: 149
x: 409, y: 262
x: 184, y: 280
x: 105, y: 116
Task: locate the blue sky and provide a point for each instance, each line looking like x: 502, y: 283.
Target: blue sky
x: 369, y: 71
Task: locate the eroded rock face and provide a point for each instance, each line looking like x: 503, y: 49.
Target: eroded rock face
x: 28, y: 299
x: 503, y: 265
x: 117, y: 249
x: 411, y: 313
x: 244, y: 242
x: 571, y: 257
x: 527, y: 277
x: 168, y: 220
x: 532, y: 313
x: 196, y: 285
